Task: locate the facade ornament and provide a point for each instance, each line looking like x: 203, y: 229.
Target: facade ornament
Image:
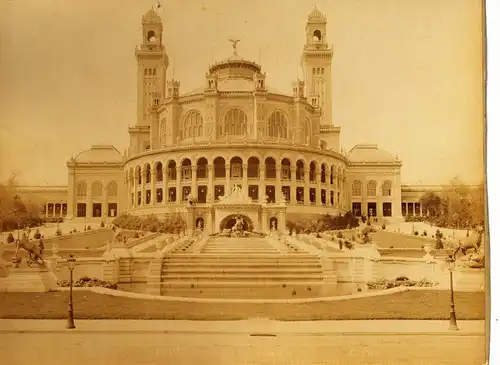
x: 308, y: 141
x: 178, y: 139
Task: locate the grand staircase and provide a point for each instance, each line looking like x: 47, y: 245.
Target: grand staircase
x: 241, y: 268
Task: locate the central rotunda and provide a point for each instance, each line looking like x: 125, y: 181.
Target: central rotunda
x: 235, y: 147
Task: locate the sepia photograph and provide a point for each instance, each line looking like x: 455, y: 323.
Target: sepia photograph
x: 243, y: 182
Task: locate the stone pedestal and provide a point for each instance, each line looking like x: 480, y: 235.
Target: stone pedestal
x: 30, y: 279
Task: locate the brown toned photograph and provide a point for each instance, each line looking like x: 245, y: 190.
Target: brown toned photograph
x: 243, y: 182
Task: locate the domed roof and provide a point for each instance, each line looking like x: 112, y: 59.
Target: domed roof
x: 99, y: 154
x: 236, y: 64
x: 316, y: 16
x: 369, y: 153
x: 151, y: 16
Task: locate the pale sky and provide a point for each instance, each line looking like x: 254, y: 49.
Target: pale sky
x: 407, y: 74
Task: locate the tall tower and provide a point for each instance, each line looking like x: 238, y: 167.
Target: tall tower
x: 317, y: 66
x: 152, y: 64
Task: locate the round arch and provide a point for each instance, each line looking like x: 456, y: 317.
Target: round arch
x: 229, y: 221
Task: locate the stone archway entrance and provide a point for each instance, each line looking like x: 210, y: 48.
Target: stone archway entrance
x: 229, y: 221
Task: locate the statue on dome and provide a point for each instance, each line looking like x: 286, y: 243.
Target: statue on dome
x: 234, y: 42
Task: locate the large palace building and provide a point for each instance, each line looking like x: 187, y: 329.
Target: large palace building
x: 232, y: 146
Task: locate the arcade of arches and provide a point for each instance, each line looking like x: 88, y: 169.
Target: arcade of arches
x: 298, y: 182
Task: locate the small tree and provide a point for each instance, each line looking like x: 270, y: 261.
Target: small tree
x: 10, y: 238
x: 102, y: 224
x: 37, y: 235
x: 439, y: 240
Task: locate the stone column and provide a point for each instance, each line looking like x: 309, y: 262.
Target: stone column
x: 265, y: 220
x: 293, y: 186
x: 328, y: 188
x: 306, y: 187
x: 209, y: 224
x: 228, y: 178
x: 245, y: 179
x: 211, y: 180
x: 318, y: 188
x: 104, y: 204
x: 134, y: 187
x: 143, y: 188
x: 277, y: 194
x: 282, y: 221
x: 165, y: 182
x: 153, y: 186
x: 178, y: 185
x: 89, y: 202
x: 262, y: 181
x: 194, y: 175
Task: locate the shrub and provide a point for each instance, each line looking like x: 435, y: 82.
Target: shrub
x: 415, y: 233
x: 37, y: 235
x: 88, y: 282
x: 383, y: 284
x: 439, y: 240
x: 58, y: 232
x: 424, y: 233
x: 89, y: 228
x: 10, y: 238
x: 102, y: 224
x: 384, y: 226
x: 136, y: 235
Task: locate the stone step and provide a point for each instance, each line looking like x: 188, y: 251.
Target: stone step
x: 240, y: 262
x: 237, y: 284
x: 273, y: 256
x: 241, y: 277
x: 248, y: 264
x: 242, y: 270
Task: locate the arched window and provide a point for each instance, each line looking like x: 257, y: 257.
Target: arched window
x: 317, y: 35
x: 151, y: 34
x: 96, y: 189
x: 193, y: 125
x: 235, y: 123
x: 277, y: 125
x: 371, y: 188
x: 81, y: 189
x: 356, y: 188
x: 162, y: 130
x: 112, y: 189
x: 387, y: 188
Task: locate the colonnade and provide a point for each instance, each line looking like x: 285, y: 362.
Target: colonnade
x: 311, y: 185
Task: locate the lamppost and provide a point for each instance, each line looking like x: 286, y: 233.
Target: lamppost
x: 71, y: 266
x: 453, y: 319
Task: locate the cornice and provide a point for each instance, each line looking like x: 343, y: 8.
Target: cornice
x: 196, y: 149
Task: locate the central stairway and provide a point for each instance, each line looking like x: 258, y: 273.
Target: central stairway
x: 241, y: 268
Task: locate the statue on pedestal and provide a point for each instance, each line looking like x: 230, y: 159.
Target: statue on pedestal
x: 34, y: 252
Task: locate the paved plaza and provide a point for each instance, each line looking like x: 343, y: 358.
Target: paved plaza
x: 156, y: 348
x: 256, y: 341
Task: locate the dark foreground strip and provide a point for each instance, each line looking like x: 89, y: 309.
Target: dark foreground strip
x: 262, y: 335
